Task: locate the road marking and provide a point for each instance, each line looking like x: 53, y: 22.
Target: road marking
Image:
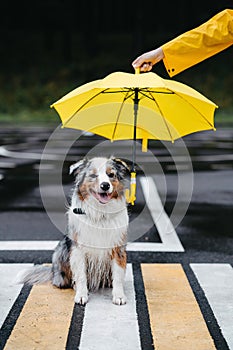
x: 111, y: 326
x: 28, y: 245
x: 7, y: 165
x: 51, y: 245
x: 149, y: 247
x: 217, y: 282
x: 175, y: 317
x: 9, y: 291
x: 44, y: 321
x: 168, y: 235
x: 176, y: 320
x: 26, y: 155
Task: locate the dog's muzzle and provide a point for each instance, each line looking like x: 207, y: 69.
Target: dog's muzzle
x: 105, y: 186
x: 103, y: 196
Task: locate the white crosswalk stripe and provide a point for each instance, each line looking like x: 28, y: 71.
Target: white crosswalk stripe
x: 9, y: 291
x: 28, y: 245
x: 217, y: 282
x: 118, y: 325
x: 168, y: 235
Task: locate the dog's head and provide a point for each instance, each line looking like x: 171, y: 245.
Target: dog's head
x: 101, y: 178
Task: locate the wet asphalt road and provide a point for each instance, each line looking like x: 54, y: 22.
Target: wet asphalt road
x: 194, y: 177
x: 205, y: 229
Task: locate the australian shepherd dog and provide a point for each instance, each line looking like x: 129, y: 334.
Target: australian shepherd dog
x: 93, y: 252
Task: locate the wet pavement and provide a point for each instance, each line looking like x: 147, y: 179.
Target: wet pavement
x: 194, y: 181
x: 209, y: 213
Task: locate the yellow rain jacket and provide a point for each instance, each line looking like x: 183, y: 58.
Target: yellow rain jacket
x: 199, y: 43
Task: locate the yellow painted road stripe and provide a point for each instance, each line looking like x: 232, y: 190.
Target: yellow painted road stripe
x: 176, y: 320
x: 44, y: 321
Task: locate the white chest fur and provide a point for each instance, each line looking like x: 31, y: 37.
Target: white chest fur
x: 100, y: 228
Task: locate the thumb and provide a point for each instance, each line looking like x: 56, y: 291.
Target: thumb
x: 138, y: 62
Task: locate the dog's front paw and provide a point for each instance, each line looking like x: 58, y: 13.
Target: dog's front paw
x: 81, y: 299
x: 119, y: 300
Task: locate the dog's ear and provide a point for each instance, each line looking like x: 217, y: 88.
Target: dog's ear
x: 77, y: 167
x: 122, y: 167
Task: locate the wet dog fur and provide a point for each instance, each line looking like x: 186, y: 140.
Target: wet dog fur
x: 92, y: 253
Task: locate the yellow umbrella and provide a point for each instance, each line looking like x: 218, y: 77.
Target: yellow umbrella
x: 136, y: 106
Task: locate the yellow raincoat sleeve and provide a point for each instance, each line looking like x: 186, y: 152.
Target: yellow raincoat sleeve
x: 199, y: 43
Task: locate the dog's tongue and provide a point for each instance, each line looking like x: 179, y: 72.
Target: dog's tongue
x: 103, y: 197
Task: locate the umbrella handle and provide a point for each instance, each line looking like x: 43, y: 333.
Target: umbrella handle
x: 137, y: 70
x: 131, y: 194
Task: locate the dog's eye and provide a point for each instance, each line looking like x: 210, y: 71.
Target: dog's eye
x: 93, y: 176
x: 111, y: 175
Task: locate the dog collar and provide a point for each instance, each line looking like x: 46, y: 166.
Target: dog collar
x: 79, y: 211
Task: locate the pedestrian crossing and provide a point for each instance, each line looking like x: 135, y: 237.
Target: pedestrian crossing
x: 162, y: 312
x: 112, y: 327
x: 8, y: 290
x: 176, y: 320
x: 217, y: 282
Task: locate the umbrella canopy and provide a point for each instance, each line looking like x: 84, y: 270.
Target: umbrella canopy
x: 167, y: 109
x: 136, y: 106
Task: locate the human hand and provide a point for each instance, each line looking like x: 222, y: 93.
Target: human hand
x: 146, y: 61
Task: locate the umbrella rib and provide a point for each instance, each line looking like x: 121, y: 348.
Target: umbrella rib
x: 156, y: 92
x: 195, y: 109
x: 127, y: 90
x: 119, y: 112
x: 164, y: 119
x: 114, y: 91
x: 79, y: 109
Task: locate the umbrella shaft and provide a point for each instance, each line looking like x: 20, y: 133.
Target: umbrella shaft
x: 136, y: 101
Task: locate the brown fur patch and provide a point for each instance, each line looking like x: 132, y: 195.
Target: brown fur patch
x: 115, y: 195
x: 83, y: 192
x: 66, y: 274
x: 119, y: 254
x: 109, y: 170
x: 118, y: 189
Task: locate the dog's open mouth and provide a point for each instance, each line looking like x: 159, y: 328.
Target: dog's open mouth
x: 102, y: 197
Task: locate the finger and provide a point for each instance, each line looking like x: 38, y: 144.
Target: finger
x: 138, y: 62
x: 135, y: 63
x: 146, y: 67
x: 150, y: 65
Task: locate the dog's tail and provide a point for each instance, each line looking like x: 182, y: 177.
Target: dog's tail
x: 35, y: 275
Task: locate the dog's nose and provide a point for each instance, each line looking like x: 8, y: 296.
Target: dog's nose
x: 105, y: 186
